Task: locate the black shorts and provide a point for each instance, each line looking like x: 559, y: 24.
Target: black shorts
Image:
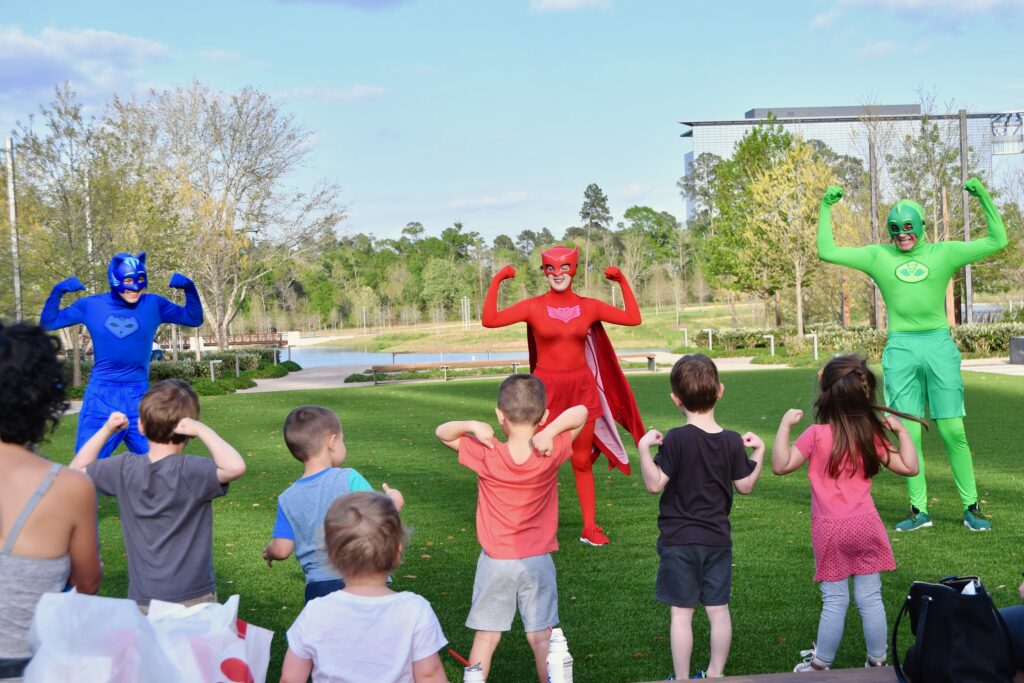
x: 692, y: 575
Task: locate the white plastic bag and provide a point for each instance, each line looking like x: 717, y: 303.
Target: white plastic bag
x: 207, y: 643
x: 89, y: 639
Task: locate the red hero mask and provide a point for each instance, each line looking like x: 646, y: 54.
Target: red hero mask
x: 553, y: 259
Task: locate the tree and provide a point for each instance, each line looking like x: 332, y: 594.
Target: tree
x: 785, y: 199
x: 731, y: 255
x: 698, y: 187
x: 226, y: 157
x: 595, y: 216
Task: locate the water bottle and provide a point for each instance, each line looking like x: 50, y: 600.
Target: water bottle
x: 473, y: 674
x: 559, y: 660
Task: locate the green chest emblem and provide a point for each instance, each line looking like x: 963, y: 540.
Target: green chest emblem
x: 912, y: 271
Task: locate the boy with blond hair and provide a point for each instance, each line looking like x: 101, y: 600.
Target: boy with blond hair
x: 695, y: 470
x: 164, y: 497
x: 314, y: 437
x: 516, y: 514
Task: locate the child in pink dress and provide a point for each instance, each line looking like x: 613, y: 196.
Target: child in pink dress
x: 844, y: 451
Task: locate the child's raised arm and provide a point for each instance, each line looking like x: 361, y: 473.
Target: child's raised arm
x: 785, y: 457
x: 571, y: 420
x: 450, y: 432
x: 89, y: 451
x: 907, y: 462
x: 654, y: 478
x: 230, y: 464
x: 746, y: 484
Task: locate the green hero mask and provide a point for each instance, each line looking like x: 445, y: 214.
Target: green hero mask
x: 906, y: 212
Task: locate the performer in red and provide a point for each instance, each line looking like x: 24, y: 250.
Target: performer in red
x: 570, y: 352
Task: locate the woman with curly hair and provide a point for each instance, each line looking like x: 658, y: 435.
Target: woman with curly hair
x: 47, y: 512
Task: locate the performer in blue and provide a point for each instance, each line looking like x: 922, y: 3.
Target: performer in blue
x: 122, y: 325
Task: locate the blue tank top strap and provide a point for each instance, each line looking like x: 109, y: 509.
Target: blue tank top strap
x: 40, y: 491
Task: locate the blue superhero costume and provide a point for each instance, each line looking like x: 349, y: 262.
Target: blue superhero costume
x: 122, y: 337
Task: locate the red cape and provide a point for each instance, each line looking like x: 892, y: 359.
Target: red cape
x: 617, y: 401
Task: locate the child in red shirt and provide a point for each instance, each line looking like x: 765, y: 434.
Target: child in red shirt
x: 516, y: 515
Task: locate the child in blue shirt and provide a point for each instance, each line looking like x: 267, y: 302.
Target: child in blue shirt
x: 314, y: 437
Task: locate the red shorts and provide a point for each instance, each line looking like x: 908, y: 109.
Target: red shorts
x: 570, y: 387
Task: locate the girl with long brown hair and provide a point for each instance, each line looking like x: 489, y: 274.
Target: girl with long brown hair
x: 844, y: 450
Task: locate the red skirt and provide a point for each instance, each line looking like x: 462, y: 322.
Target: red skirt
x: 851, y: 545
x: 570, y: 387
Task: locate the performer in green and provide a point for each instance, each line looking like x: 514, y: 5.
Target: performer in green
x: 921, y: 362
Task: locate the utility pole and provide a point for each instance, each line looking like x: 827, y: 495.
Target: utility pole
x: 964, y: 198
x: 873, y: 177
x: 12, y: 211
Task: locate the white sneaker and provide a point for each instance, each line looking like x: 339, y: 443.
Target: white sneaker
x: 875, y: 661
x: 811, y: 662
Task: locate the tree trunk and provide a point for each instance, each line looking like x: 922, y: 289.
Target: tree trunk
x: 732, y: 308
x: 799, y: 308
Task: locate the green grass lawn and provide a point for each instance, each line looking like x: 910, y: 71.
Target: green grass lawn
x: 616, y: 631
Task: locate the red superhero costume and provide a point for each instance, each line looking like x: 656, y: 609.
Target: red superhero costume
x: 571, y: 354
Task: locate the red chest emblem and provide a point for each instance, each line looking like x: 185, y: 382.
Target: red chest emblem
x: 565, y: 314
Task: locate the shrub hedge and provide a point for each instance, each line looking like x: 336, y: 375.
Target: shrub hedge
x: 977, y: 338
x: 254, y: 363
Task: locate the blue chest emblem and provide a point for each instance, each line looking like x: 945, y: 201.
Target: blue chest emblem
x: 121, y: 325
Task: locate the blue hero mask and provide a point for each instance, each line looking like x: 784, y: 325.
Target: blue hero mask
x: 127, y: 267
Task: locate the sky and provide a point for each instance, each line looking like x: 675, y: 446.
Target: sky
x: 499, y: 113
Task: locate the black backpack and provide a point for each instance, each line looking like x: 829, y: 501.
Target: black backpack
x: 958, y: 638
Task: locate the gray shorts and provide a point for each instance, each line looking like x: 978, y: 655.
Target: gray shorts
x: 502, y: 584
x: 692, y: 575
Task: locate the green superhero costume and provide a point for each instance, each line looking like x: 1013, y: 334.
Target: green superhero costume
x: 921, y: 362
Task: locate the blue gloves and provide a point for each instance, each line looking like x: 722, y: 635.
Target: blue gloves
x: 179, y: 281
x: 72, y: 284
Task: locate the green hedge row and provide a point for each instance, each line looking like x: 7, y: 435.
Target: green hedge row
x: 980, y: 338
x: 254, y: 363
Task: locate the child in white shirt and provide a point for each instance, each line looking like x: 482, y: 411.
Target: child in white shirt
x: 366, y: 633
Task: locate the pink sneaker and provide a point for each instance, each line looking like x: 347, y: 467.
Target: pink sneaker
x: 594, y: 535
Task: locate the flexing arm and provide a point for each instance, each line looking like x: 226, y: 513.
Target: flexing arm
x: 90, y: 450
x: 963, y: 253
x: 52, y: 317
x: 906, y: 463
x: 450, y: 432
x: 617, y: 316
x: 654, y: 478
x: 491, y: 316
x: 191, y: 314
x: 746, y: 484
x: 230, y: 464
x: 785, y: 457
x: 571, y: 420
x: 860, y: 258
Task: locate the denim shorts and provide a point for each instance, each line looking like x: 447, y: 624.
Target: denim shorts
x: 692, y: 575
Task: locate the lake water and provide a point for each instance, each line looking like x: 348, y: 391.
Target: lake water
x: 327, y: 356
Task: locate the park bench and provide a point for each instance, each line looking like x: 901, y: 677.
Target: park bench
x: 380, y: 372
x: 880, y: 674
x: 649, y: 357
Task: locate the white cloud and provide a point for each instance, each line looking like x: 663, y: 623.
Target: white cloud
x: 567, y: 5
x: 86, y: 57
x: 502, y: 201
x: 356, y: 93
x: 945, y: 13
x: 879, y: 49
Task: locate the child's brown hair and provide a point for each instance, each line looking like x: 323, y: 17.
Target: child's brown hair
x: 694, y: 381
x: 307, y: 428
x: 364, y: 534
x: 522, y: 399
x: 848, y: 402
x: 165, y: 405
